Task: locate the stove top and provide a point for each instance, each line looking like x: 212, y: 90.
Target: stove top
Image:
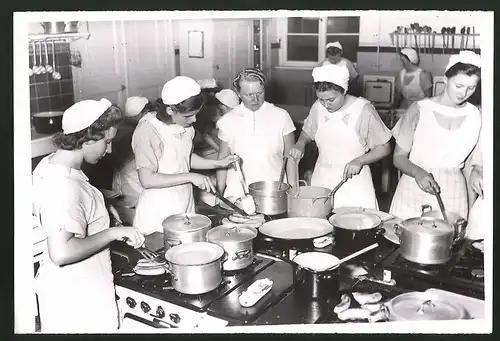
x: 462, y: 274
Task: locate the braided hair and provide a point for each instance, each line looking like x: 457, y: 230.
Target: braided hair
x: 250, y: 75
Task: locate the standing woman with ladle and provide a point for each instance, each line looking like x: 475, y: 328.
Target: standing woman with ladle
x: 350, y: 136
x: 434, y: 138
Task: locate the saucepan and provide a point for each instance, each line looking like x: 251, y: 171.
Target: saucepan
x: 458, y: 223
x: 47, y: 122
x: 185, y: 228
x: 301, y: 202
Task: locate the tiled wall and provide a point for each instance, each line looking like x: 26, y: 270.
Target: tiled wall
x: 47, y: 94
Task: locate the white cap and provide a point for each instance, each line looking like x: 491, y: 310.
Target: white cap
x: 179, y: 89
x: 207, y: 83
x: 134, y: 105
x: 411, y: 54
x: 338, y: 75
x: 465, y: 57
x: 228, y: 97
x: 82, y: 114
x: 334, y: 44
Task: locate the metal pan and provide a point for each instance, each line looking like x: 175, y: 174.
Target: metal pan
x: 298, y: 228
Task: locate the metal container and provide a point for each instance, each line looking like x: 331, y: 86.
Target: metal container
x: 196, y: 268
x: 269, y: 197
x: 316, y: 274
x: 425, y: 240
x: 237, y: 241
x: 459, y: 224
x: 303, y: 204
x: 355, y: 230
x: 47, y: 122
x: 421, y: 306
x: 185, y: 228
x: 53, y: 27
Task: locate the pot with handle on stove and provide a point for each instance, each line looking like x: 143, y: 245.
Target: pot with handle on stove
x: 185, y: 228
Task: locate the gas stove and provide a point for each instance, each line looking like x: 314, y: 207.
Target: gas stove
x: 463, y: 274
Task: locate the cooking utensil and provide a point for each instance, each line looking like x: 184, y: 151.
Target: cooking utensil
x: 229, y: 203
x: 185, y: 228
x: 241, y: 177
x: 443, y: 33
x: 357, y: 253
x: 316, y: 274
x: 41, y: 67
x: 56, y: 75
x: 196, y: 268
x: 34, y: 68
x: 453, y: 31
x: 420, y: 306
x: 48, y: 67
x: 301, y: 203
x: 282, y: 172
x: 355, y: 230
x: 473, y: 38
x: 462, y: 32
x: 332, y: 192
x: 458, y: 223
x: 47, y: 122
x: 237, y: 242
x: 53, y: 27
x: 467, y: 38
x: 268, y: 198
x: 296, y: 228
x: 441, y: 206
x: 406, y: 33
x: 433, y: 44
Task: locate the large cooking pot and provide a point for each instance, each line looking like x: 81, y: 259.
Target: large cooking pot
x: 294, y: 234
x: 302, y: 204
x: 237, y: 241
x: 196, y: 268
x: 316, y: 274
x: 47, y: 122
x: 426, y: 240
x: 420, y: 306
x: 185, y: 228
x: 355, y: 230
x: 58, y: 27
x: 269, y: 196
x: 459, y: 224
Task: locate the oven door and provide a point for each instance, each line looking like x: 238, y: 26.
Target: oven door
x: 133, y: 324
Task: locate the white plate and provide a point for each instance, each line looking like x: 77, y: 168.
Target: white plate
x: 296, y: 228
x: 478, y: 246
x: 389, y: 231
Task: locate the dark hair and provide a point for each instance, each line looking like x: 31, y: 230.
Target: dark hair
x: 193, y: 103
x: 475, y: 98
x: 467, y: 69
x: 404, y: 56
x: 95, y: 132
x: 327, y: 86
x: 250, y: 75
x: 333, y: 51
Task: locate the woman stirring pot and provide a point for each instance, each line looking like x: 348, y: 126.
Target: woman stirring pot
x: 162, y: 144
x: 75, y: 286
x: 258, y: 132
x: 350, y: 136
x: 434, y: 138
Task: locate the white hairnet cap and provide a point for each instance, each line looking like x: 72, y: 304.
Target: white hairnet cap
x: 82, y: 114
x: 179, y: 89
x: 411, y: 54
x: 338, y: 75
x: 334, y: 44
x: 134, y: 105
x: 228, y: 97
x: 465, y: 57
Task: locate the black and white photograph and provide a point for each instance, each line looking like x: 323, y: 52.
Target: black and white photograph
x: 253, y: 172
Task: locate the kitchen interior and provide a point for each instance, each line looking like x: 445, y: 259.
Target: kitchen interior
x: 77, y: 60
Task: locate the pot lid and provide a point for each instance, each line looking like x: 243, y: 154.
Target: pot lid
x: 415, y: 306
x: 427, y: 226
x: 316, y: 261
x: 236, y: 233
x: 186, y: 222
x: 195, y: 253
x: 296, y: 228
x: 355, y: 221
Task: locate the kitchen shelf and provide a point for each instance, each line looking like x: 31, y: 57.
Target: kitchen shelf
x: 66, y: 37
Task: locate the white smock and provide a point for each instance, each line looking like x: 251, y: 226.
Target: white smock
x: 442, y: 153
x: 156, y: 204
x: 257, y: 138
x: 338, y: 144
x: 476, y: 223
x: 78, y: 297
x: 412, y: 91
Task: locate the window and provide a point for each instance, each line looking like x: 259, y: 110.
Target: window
x: 304, y: 39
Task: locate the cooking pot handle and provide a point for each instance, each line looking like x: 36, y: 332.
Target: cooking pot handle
x: 267, y: 239
x: 173, y: 243
x: 380, y: 231
x: 397, y: 230
x: 425, y: 208
x: 167, y: 269
x: 459, y: 226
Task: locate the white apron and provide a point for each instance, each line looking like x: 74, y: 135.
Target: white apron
x: 412, y: 91
x: 261, y: 152
x: 442, y: 153
x: 476, y: 223
x: 156, y: 204
x: 338, y: 144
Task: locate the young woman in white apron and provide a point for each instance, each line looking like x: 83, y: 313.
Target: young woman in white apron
x: 74, y: 282
x: 434, y: 139
x: 162, y: 145
x: 350, y: 136
x: 412, y: 83
x: 258, y: 132
x: 334, y: 52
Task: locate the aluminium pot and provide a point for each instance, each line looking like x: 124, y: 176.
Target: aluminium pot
x: 316, y: 275
x: 270, y: 198
x: 237, y: 242
x: 421, y: 306
x: 426, y: 240
x: 355, y: 230
x: 47, y: 122
x: 185, y: 228
x: 459, y: 223
x: 58, y: 27
x: 196, y: 268
x: 303, y: 204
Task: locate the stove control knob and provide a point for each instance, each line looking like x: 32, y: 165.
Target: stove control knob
x: 160, y: 312
x: 145, y: 307
x: 175, y: 318
x: 131, y: 302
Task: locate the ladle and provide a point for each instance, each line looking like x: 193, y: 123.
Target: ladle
x: 332, y: 192
x: 56, y: 75
x: 282, y: 173
x: 441, y: 206
x: 36, y: 68
x: 41, y: 67
x: 48, y: 67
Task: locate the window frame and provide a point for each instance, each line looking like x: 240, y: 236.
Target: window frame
x: 322, y: 37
